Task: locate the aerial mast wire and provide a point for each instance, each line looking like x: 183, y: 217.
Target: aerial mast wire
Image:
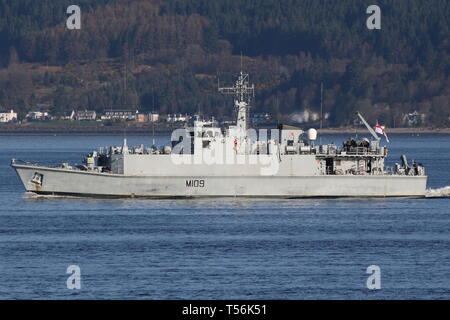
x: 321, y: 111
x: 321, y: 104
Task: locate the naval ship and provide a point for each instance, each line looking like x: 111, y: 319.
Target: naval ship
x: 206, y: 160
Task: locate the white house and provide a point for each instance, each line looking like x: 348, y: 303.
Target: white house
x: 177, y: 118
x: 37, y: 115
x: 153, y: 117
x: 414, y: 118
x: 120, y: 115
x: 85, y: 115
x: 305, y: 116
x: 6, y: 117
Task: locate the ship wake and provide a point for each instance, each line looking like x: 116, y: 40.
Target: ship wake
x: 438, y: 193
x: 35, y: 196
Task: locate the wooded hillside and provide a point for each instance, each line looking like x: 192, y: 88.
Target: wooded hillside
x: 167, y: 56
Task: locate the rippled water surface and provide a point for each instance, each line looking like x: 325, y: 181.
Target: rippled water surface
x: 222, y: 248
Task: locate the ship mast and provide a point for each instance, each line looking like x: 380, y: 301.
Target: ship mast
x: 243, y: 93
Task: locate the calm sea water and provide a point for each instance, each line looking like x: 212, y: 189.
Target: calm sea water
x: 221, y: 248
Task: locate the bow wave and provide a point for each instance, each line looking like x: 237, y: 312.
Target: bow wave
x: 438, y: 193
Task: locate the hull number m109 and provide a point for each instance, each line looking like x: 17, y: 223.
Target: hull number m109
x: 195, y: 183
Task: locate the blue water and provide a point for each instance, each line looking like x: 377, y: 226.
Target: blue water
x: 221, y: 248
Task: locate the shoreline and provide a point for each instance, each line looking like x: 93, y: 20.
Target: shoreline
x: 6, y: 130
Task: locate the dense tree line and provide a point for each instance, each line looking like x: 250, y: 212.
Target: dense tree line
x: 168, y: 56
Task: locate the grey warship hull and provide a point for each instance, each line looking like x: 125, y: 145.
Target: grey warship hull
x: 57, y: 181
